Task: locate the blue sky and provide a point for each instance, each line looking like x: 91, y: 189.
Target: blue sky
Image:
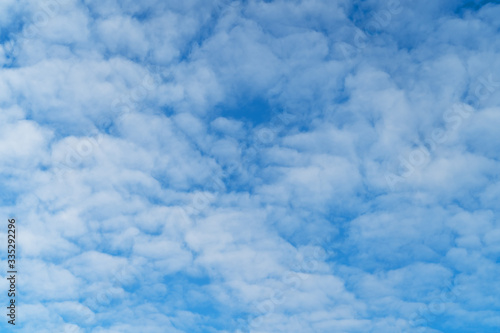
x: 252, y: 166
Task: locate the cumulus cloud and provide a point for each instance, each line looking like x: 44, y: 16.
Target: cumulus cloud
x: 252, y: 166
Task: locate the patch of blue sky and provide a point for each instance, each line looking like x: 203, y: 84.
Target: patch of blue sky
x: 255, y: 110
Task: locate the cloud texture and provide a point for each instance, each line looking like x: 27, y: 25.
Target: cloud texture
x: 252, y: 166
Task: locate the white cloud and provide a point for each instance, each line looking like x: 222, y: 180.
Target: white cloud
x: 153, y: 194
